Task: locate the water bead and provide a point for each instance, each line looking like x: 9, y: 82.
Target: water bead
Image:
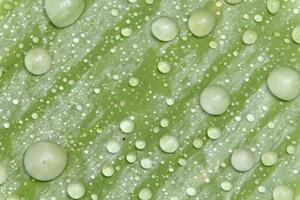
x: 249, y: 36
x: 63, y: 13
x: 169, y: 144
x: 269, y: 158
x: 197, y: 143
x: 127, y: 126
x: 233, y: 2
x: 214, y: 132
x: 191, y: 191
x: 131, y: 157
x: 3, y: 174
x: 296, y: 34
x: 146, y: 163
x: 38, y: 61
x: 242, y: 160
x: 201, y: 22
x: 226, y: 185
x: 214, y: 100
x: 284, y: 83
x: 273, y: 6
x: 76, y: 190
x: 283, y: 192
x: 126, y: 32
x: 108, y: 170
x: 145, y: 194
x: 164, y: 29
x: 164, y: 67
x: 45, y: 160
x: 113, y: 146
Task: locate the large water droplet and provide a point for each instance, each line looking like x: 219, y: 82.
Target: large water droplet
x: 242, y: 160
x: 215, y: 100
x: 168, y: 143
x: 108, y: 170
x: 284, y: 83
x: 249, y: 36
x: 201, y: 22
x: 38, y: 61
x: 45, y: 160
x: 214, y: 132
x: 269, y: 158
x: 296, y: 34
x: 113, y: 146
x: 145, y: 194
x: 127, y: 126
x: 76, y: 190
x: 273, y: 6
x: 63, y: 13
x: 164, y: 29
x: 283, y: 192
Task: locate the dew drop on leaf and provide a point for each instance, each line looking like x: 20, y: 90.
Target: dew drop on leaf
x: 284, y: 83
x: 108, y: 170
x: 283, y: 192
x: 38, y: 61
x: 145, y: 194
x: 76, y: 190
x: 269, y: 158
x: 164, y: 67
x: 215, y: 100
x: 233, y: 2
x: 296, y: 34
x: 249, y: 36
x: 131, y: 157
x: 164, y: 29
x: 45, y: 160
x: 242, y: 160
x: 168, y: 144
x: 201, y: 22
x: 127, y: 126
x: 214, y: 132
x: 113, y: 146
x: 197, y: 143
x: 146, y: 163
x: 273, y: 6
x: 63, y: 13
x: 226, y: 185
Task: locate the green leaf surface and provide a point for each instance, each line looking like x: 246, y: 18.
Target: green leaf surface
x: 91, y: 55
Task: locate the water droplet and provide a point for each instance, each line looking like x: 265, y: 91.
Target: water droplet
x: 296, y: 34
x: 168, y: 144
x: 38, y: 61
x: 146, y: 163
x: 164, y: 123
x: 133, y: 82
x: 164, y: 67
x: 113, y: 146
x: 214, y: 100
x: 201, y: 22
x: 283, y: 192
x: 291, y: 149
x: 3, y: 174
x: 269, y: 158
x: 233, y: 2
x: 226, y: 185
x: 127, y: 126
x: 249, y: 36
x: 145, y: 194
x: 126, y: 32
x: 273, y: 6
x: 250, y: 117
x: 94, y: 196
x: 197, y: 143
x: 164, y: 29
x: 131, y: 157
x: 190, y: 191
x: 214, y: 132
x: 284, y: 83
x: 108, y: 170
x: 76, y: 190
x: 45, y: 160
x: 242, y: 160
x: 63, y: 13
x: 140, y: 144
